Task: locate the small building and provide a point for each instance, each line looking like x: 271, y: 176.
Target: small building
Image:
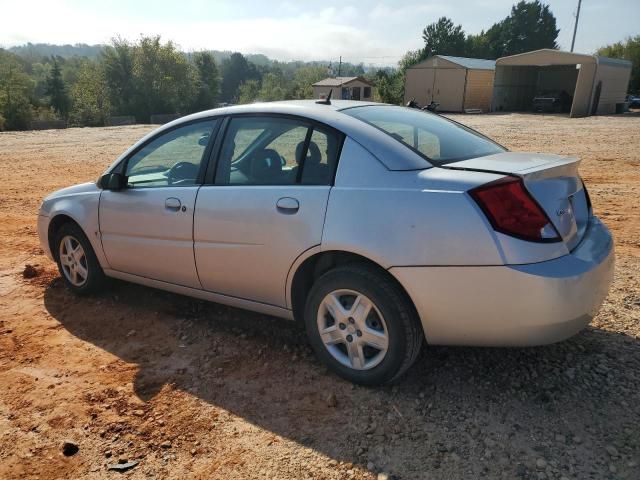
x: 591, y: 84
x: 344, y: 88
x: 455, y: 83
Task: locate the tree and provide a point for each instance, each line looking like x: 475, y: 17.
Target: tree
x: 530, y: 26
x: 208, y: 82
x: 477, y: 46
x: 304, y: 78
x: 390, y: 86
x: 443, y: 38
x: 236, y: 71
x: 273, y: 87
x: 163, y: 80
x: 629, y: 50
x: 15, y: 90
x: 57, y: 91
x: 117, y: 61
x: 410, y: 58
x: 149, y: 77
x: 248, y: 91
x: 90, y: 96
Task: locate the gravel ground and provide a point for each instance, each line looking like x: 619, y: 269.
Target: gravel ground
x: 197, y: 390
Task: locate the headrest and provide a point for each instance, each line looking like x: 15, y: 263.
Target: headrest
x: 313, y: 153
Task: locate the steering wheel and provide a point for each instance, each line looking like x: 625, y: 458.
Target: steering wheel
x: 182, y: 171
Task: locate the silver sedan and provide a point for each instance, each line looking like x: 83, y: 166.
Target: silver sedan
x: 378, y: 227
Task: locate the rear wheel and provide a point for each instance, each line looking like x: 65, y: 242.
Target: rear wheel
x: 361, y: 325
x: 77, y: 261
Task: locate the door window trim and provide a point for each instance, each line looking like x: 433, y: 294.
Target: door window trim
x: 310, y: 123
x: 121, y: 167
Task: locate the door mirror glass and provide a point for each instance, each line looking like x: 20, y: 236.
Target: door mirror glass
x: 112, y: 181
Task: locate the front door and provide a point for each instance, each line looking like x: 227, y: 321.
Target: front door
x: 147, y: 228
x: 267, y: 206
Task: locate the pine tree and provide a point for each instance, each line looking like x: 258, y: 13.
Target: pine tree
x: 57, y: 91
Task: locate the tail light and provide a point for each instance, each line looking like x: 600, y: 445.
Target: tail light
x: 513, y: 211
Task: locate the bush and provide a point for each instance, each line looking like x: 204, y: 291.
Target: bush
x: 2, y: 123
x: 18, y: 114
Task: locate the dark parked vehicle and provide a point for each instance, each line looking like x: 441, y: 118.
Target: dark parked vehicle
x: 633, y: 101
x: 555, y: 102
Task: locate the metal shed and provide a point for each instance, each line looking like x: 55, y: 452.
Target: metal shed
x: 597, y: 85
x: 456, y: 83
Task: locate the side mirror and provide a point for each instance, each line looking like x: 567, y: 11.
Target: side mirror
x: 204, y: 140
x: 112, y: 181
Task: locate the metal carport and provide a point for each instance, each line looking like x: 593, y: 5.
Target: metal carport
x: 597, y: 84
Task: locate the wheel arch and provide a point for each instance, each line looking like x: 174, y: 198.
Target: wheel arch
x: 317, y: 262
x: 55, y: 224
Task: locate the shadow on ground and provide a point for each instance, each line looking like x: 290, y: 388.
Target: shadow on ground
x: 460, y: 412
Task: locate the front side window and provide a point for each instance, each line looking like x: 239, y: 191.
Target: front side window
x: 277, y: 151
x: 171, y: 159
x: 434, y: 137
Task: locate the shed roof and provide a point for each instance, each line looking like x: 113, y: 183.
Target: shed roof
x: 339, y: 81
x: 548, y: 56
x: 470, y: 63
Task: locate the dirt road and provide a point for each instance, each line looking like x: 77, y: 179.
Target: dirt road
x: 196, y: 390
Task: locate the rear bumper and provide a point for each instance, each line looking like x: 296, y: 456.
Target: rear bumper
x: 517, y: 305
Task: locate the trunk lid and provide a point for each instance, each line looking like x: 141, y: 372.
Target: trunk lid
x: 552, y: 180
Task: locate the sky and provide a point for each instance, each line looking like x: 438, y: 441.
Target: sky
x: 373, y: 32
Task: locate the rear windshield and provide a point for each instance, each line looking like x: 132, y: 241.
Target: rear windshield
x: 437, y: 139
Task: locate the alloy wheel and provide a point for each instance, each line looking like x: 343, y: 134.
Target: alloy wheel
x: 352, y: 329
x: 73, y: 261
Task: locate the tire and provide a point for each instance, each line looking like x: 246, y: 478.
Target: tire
x: 390, y: 313
x: 71, y: 234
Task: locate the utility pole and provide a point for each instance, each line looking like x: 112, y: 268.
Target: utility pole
x: 575, y: 28
x: 340, y: 65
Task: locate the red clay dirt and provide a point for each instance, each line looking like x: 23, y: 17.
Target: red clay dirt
x: 197, y: 390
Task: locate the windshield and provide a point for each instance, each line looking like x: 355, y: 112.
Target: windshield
x: 439, y: 140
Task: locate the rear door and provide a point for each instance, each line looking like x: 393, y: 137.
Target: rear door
x: 266, y: 206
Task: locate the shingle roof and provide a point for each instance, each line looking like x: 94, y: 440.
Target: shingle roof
x: 338, y: 81
x: 472, y: 63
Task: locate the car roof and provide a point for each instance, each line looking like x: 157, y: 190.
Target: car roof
x: 386, y: 149
x: 335, y: 105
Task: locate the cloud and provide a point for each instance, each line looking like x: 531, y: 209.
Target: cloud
x: 377, y: 33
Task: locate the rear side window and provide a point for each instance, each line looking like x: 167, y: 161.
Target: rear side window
x: 277, y: 151
x: 439, y: 140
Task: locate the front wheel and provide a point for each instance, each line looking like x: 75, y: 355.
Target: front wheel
x: 362, y: 325
x: 77, y: 261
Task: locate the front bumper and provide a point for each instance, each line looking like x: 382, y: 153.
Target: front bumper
x: 513, y: 305
x: 43, y: 235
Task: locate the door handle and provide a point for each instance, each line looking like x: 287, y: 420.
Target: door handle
x: 172, y: 203
x: 287, y: 205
